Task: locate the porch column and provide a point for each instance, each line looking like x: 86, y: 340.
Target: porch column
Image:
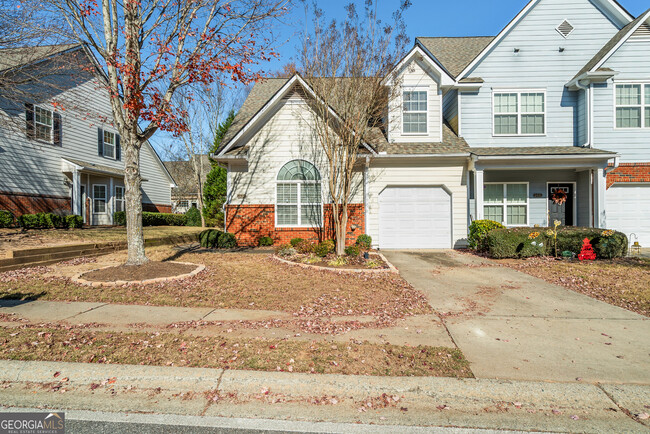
x: 600, y: 185
x: 478, y: 193
x: 111, y: 199
x: 76, y: 193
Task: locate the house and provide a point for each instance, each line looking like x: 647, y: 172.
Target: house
x: 548, y: 120
x: 59, y: 148
x: 185, y: 194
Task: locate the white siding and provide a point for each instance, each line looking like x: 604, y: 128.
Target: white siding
x: 632, y: 62
x: 538, y: 65
x: 415, y: 75
x: 450, y: 174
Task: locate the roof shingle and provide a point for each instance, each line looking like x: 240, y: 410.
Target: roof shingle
x: 455, y: 53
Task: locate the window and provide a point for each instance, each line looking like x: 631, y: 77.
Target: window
x: 99, y: 199
x: 506, y: 203
x: 183, y: 204
x: 109, y: 144
x: 299, y: 200
x: 632, y: 105
x: 519, y: 113
x: 43, y: 124
x: 415, y: 112
x: 119, y: 198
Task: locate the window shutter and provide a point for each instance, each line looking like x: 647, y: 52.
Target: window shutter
x: 100, y: 142
x: 56, y: 129
x: 118, y: 147
x: 29, y: 120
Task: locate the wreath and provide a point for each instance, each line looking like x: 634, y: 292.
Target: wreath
x: 559, y: 197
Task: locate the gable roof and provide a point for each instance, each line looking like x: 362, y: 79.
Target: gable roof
x: 183, y: 173
x: 454, y: 54
x: 613, y: 44
x: 11, y: 58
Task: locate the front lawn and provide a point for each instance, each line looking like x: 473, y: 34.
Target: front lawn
x: 623, y: 282
x: 170, y: 349
x: 234, y: 280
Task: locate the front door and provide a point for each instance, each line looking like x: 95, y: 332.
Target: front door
x: 560, y: 204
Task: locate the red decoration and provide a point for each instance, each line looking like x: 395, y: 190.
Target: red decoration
x: 559, y: 197
x: 587, y: 253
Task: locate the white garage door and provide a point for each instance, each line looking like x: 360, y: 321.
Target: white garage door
x: 414, y: 218
x: 628, y: 210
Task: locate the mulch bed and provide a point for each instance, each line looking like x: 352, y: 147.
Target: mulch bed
x: 129, y: 273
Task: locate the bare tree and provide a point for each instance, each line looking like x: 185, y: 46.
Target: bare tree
x: 152, y: 48
x: 345, y: 64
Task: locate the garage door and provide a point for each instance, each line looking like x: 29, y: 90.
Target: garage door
x: 628, y: 210
x: 414, y: 218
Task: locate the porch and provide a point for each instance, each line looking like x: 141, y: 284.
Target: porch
x: 534, y: 189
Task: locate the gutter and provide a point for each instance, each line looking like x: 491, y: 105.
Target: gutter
x: 617, y: 159
x: 452, y: 155
x: 552, y: 157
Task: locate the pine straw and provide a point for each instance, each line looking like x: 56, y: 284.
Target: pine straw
x: 622, y: 282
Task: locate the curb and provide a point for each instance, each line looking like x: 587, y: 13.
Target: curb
x: 78, y: 279
x: 390, y: 270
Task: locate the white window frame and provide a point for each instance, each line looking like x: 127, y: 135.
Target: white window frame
x: 299, y: 197
x: 50, y: 127
x: 505, y: 204
x: 424, y: 89
x: 105, y: 199
x: 183, y: 203
x: 114, y: 144
x: 122, y: 201
x: 644, y: 90
x: 519, y: 113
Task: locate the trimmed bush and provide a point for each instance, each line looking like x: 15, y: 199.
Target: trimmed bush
x: 305, y: 247
x: 354, y: 250
x: 193, y: 217
x: 478, y: 230
x: 153, y: 219
x: 364, y: 241
x: 6, y: 219
x: 74, y: 221
x: 516, y: 242
x: 119, y: 218
x: 44, y: 220
x: 294, y: 242
x: 227, y: 241
x: 324, y: 248
x: 214, y: 239
x: 265, y: 241
x: 29, y: 221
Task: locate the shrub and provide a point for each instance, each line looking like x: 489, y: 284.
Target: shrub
x: 294, y: 242
x: 209, y: 238
x: 478, y: 231
x: 338, y: 262
x: 305, y: 247
x: 214, y: 222
x: 193, y: 217
x: 364, y: 241
x: 227, y: 241
x: 265, y: 241
x: 29, y: 221
x: 53, y: 221
x: 354, y: 250
x: 6, y: 219
x: 163, y: 219
x: 74, y: 221
x: 119, y: 218
x: 517, y: 242
x: 324, y: 248
x: 285, y: 250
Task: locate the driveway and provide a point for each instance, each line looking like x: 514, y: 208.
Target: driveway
x: 511, y: 325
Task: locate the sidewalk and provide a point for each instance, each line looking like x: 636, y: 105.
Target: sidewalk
x: 390, y: 401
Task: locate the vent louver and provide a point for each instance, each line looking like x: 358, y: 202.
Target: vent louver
x: 565, y: 29
x: 643, y: 31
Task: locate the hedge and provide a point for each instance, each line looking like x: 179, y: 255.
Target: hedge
x: 44, y: 220
x: 215, y: 239
x: 517, y: 243
x: 153, y: 219
x: 478, y: 231
x: 6, y: 219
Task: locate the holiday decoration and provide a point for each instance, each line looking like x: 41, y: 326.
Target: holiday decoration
x: 559, y: 197
x: 587, y: 252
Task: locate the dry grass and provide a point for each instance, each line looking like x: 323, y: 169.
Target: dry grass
x: 11, y: 239
x: 249, y: 281
x: 622, y: 282
x: 167, y: 349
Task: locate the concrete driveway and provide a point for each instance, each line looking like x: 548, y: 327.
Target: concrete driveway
x: 514, y: 326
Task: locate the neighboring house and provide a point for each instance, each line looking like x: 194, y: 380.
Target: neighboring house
x: 59, y: 149
x: 549, y: 120
x: 186, y: 195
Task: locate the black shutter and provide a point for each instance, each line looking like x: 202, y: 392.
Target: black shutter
x: 118, y: 147
x: 100, y: 142
x: 56, y: 129
x: 29, y: 120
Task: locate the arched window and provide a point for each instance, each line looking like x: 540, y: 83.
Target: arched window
x: 299, y: 201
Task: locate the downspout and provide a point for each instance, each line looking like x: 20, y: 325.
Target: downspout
x: 365, y: 195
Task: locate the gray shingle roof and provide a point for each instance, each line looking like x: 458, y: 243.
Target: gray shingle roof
x: 618, y: 37
x: 455, y: 53
x: 539, y: 150
x: 97, y: 168
x: 14, y: 57
x: 183, y: 174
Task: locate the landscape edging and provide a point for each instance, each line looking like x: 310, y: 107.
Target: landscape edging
x: 79, y: 280
x: 391, y: 268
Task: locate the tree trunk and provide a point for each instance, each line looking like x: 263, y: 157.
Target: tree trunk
x: 340, y: 227
x: 198, y: 170
x: 133, y: 198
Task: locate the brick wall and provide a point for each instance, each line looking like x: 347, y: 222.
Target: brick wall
x: 629, y: 172
x: 251, y: 222
x: 23, y: 203
x: 152, y: 207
